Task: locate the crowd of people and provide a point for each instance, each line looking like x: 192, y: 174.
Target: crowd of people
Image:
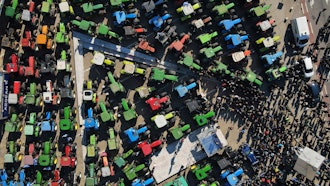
x: 283, y: 121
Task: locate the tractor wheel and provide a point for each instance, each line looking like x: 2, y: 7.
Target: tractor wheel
x: 169, y: 21
x: 239, y: 26
x: 200, y: 11
x: 181, y: 34
x: 232, y: 11
x: 188, y: 131
x: 172, y: 72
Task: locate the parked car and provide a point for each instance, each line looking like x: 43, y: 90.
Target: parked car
x: 315, y: 91
x: 308, y: 67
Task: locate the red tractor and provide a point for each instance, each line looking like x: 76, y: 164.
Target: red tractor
x: 155, y: 102
x: 13, y: 66
x: 69, y: 159
x: 178, y: 45
x: 29, y: 70
x: 147, y: 147
x: 27, y: 40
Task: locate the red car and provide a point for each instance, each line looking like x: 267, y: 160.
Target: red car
x: 147, y: 147
x: 155, y: 103
x: 13, y: 66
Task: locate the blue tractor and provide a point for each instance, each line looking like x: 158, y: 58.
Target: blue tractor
x: 139, y: 182
x: 121, y: 17
x: 235, y: 40
x: 134, y: 134
x: 183, y: 90
x: 232, y: 179
x: 48, y: 125
x: 91, y: 122
x: 248, y: 153
x: 158, y: 21
x: 271, y: 58
x: 228, y: 24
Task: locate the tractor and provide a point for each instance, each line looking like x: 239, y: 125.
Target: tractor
x: 13, y: 124
x: 189, y: 61
x: 131, y: 68
x: 67, y: 119
x: 13, y: 67
x: 90, y: 122
x: 104, y: 30
x: 187, y: 10
x: 89, y: 8
x: 228, y: 24
x: 61, y: 35
x: 121, y: 17
x: 120, y: 160
x: 159, y: 75
x: 48, y: 124
x: 199, y: 24
x: 201, y: 172
x: 105, y: 115
x: 232, y: 178
x: 271, y: 58
x: 131, y: 170
x: 202, y: 119
x: 210, y: 52
x: 155, y: 103
x: 184, y: 89
x: 158, y: 21
x: 134, y: 31
x: 223, y: 9
x: 207, y: 37
x: 129, y: 113
x: 147, y: 148
x: 179, y: 131
x: 166, y: 35
x: 44, y: 39
x: 46, y: 157
x: 87, y: 26
x: 275, y: 73
x: 235, y: 40
x: 178, y: 45
x: 115, y: 86
x: 134, y: 134
x: 150, y: 7
x: 161, y: 120
x: 91, y: 147
x: 113, y: 144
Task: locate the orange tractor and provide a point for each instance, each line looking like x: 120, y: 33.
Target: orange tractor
x: 43, y: 38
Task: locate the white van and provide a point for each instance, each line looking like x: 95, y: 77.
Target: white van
x: 300, y: 31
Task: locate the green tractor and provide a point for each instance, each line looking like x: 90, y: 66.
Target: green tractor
x: 222, y: 9
x: 87, y: 26
x: 105, y: 114
x: 221, y: 68
x: 91, y: 147
x: 203, y: 119
x: 179, y: 131
x: 30, y: 128
x: 113, y: 144
x: 201, y: 172
x: 188, y: 60
x: 13, y: 155
x: 275, y: 73
x: 89, y: 8
x: 91, y: 180
x: 47, y: 157
x: 67, y: 119
x: 115, y: 86
x: 105, y: 31
x: 251, y: 77
x: 131, y: 170
x: 31, y: 97
x: 159, y: 75
x: 119, y: 3
x: 120, y: 160
x: 207, y: 37
x: 129, y: 113
x: 210, y: 52
x: 180, y: 181
x: 13, y: 124
x: 61, y: 35
x: 11, y: 10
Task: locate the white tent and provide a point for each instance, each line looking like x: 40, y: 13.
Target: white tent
x: 308, y: 163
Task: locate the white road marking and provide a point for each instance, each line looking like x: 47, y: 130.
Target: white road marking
x: 310, y: 25
x: 307, y: 6
x: 311, y: 3
x: 302, y: 8
x: 326, y: 1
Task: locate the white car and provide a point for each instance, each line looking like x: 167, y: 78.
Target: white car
x: 308, y: 67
